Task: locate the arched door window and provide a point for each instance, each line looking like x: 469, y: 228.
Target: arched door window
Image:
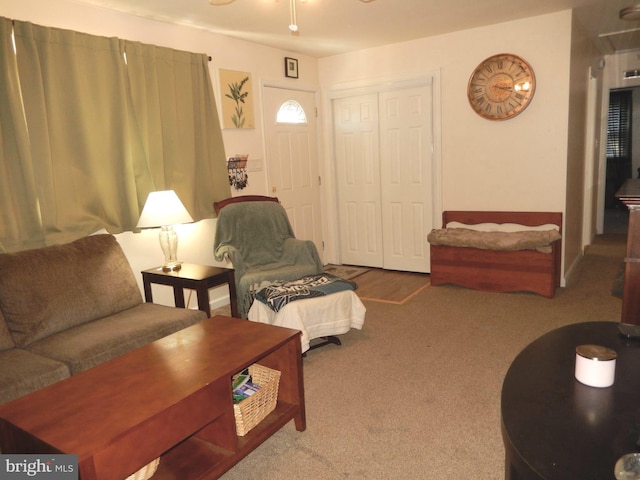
x: 291, y: 112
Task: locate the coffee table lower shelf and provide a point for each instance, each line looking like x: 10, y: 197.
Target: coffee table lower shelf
x: 199, y: 459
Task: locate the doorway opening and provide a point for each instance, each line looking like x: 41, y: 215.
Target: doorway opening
x: 621, y: 164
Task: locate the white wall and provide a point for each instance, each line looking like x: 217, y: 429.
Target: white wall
x: 517, y: 164
x: 616, y: 65
x: 265, y: 65
x: 579, y: 189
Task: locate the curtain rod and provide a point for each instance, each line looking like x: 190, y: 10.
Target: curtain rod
x: 13, y: 23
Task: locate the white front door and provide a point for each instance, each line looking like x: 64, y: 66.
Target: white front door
x: 384, y: 157
x: 292, y: 160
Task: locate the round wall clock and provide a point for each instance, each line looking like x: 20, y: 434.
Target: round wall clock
x: 501, y: 87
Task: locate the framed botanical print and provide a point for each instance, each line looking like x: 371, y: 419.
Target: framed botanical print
x: 237, y: 99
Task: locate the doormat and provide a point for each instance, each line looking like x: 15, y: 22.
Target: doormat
x: 391, y: 286
x: 346, y: 272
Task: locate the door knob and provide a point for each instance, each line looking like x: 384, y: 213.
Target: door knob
x: 274, y: 189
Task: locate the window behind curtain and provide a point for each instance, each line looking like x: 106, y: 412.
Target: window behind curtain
x: 89, y: 146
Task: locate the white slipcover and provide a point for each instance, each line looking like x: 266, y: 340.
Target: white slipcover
x: 333, y: 314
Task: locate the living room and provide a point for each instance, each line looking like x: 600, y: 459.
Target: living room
x: 534, y: 162
x: 471, y: 172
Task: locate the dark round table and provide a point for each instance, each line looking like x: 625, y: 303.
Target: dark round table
x: 556, y: 428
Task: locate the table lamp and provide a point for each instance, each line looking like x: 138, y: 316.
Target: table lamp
x: 164, y: 209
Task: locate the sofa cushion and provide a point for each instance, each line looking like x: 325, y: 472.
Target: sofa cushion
x: 23, y: 372
x: 90, y: 344
x: 6, y: 340
x: 50, y: 289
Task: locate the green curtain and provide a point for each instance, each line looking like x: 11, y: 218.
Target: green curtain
x: 19, y: 214
x: 96, y: 124
x: 90, y: 167
x: 173, y: 101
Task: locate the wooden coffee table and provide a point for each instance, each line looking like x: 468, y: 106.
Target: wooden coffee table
x: 171, y: 398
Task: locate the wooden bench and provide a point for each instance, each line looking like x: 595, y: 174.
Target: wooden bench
x: 499, y: 270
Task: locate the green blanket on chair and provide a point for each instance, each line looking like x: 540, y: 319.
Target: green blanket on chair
x: 258, y: 240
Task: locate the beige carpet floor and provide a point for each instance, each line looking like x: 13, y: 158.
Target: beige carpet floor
x: 416, y: 392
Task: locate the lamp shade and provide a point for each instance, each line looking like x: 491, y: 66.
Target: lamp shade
x: 163, y: 208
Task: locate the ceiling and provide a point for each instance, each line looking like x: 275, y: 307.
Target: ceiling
x: 330, y: 27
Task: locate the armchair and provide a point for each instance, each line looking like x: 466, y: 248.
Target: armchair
x: 254, y: 233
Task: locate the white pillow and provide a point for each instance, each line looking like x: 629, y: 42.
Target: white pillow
x: 503, y: 227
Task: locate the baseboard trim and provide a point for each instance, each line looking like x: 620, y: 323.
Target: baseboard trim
x: 571, y: 271
x: 219, y: 302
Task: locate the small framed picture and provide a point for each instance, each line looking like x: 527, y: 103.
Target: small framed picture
x: 290, y: 67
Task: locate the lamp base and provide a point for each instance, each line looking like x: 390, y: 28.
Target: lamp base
x: 169, y: 244
x: 172, y: 267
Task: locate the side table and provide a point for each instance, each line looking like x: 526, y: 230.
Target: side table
x: 195, y: 277
x: 556, y: 428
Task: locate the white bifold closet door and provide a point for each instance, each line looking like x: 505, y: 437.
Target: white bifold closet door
x: 384, y: 151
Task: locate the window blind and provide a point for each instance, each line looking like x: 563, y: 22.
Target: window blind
x: 619, y: 126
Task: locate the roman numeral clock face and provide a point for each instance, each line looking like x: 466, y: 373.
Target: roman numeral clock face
x: 501, y: 87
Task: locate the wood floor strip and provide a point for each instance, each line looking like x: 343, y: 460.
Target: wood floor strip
x: 390, y: 286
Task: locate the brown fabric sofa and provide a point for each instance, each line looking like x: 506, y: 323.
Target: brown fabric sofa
x: 67, y: 308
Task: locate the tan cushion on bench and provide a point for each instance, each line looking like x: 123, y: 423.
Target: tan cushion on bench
x: 523, y: 240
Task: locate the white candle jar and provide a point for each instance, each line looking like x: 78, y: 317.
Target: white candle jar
x: 595, y: 365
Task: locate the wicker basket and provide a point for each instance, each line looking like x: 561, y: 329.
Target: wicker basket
x: 254, y: 409
x: 145, y: 472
